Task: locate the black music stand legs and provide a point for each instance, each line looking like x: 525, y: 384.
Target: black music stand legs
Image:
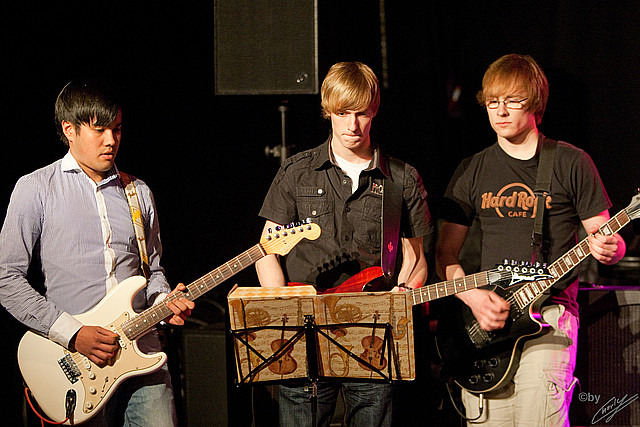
x: 311, y: 331
x: 312, y: 364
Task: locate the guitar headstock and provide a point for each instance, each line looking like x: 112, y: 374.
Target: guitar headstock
x: 282, y: 239
x: 633, y: 210
x: 518, y: 272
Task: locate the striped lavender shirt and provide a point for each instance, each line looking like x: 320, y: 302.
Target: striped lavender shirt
x: 86, y: 241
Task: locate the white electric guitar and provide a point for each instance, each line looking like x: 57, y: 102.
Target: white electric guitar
x: 71, y: 389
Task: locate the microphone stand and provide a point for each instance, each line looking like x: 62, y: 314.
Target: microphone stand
x: 282, y: 150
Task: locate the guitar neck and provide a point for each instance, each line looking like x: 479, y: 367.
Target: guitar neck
x: 150, y: 317
x: 454, y: 286
x: 531, y: 291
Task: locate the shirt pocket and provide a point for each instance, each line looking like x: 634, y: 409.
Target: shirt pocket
x: 313, y: 203
x: 368, y: 229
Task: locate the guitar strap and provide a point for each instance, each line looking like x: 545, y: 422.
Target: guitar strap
x: 136, y: 215
x: 539, y: 242
x: 391, y: 215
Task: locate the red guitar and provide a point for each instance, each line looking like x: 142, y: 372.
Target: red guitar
x: 364, y: 281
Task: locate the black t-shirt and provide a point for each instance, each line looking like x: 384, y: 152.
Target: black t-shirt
x: 498, y: 190
x: 310, y: 185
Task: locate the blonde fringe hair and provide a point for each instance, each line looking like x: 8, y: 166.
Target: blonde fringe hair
x: 350, y: 86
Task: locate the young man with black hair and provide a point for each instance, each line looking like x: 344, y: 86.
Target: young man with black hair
x: 74, y: 215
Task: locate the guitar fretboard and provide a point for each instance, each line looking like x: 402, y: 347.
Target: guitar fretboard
x: 140, y: 324
x: 454, y: 286
x: 279, y: 242
x: 531, y: 291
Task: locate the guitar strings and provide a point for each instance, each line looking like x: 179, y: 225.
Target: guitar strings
x: 583, y: 246
x: 449, y: 286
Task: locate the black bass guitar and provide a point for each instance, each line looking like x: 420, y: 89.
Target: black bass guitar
x: 481, y: 361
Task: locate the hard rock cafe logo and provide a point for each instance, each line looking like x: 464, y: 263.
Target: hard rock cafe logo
x: 514, y: 200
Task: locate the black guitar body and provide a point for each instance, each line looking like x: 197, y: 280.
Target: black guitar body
x: 482, y: 361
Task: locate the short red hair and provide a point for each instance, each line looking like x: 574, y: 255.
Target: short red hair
x: 512, y: 73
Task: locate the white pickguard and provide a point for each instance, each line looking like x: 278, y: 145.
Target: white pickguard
x: 38, y: 358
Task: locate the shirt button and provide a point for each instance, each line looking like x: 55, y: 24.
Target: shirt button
x: 348, y: 209
x: 320, y: 191
x: 314, y: 213
x: 344, y: 181
x: 346, y: 238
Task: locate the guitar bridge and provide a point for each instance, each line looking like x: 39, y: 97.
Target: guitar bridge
x: 69, y: 368
x: 516, y: 313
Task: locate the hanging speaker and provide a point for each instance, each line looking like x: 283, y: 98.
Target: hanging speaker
x: 266, y: 47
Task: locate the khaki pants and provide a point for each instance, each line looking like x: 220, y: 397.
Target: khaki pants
x: 540, y: 392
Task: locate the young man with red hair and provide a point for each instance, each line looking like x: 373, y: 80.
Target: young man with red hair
x: 514, y: 93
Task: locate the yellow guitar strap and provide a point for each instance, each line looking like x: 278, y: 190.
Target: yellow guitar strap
x: 136, y: 215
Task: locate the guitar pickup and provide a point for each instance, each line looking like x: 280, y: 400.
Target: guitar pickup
x: 479, y: 337
x: 69, y: 368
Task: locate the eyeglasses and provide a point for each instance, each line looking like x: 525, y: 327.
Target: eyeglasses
x: 509, y: 103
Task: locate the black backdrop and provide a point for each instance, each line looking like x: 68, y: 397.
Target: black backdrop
x: 203, y: 155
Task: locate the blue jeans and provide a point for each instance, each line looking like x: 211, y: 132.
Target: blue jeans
x: 141, y: 401
x: 366, y: 404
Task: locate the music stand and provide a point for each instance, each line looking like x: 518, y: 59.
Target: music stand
x: 290, y: 335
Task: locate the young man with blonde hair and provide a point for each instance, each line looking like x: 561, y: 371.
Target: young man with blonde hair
x: 339, y: 186
x: 514, y: 94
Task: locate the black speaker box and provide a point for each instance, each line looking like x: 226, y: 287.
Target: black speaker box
x: 203, y: 381
x: 608, y: 362
x: 266, y: 47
